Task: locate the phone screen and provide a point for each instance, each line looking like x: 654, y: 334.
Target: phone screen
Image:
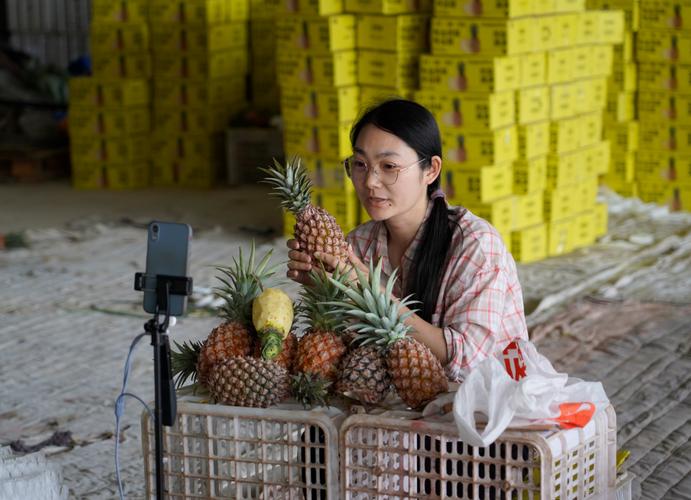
x: 167, y: 253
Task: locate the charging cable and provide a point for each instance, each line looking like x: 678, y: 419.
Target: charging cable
x: 120, y: 404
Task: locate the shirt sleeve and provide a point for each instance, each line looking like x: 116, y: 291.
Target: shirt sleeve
x: 473, y: 320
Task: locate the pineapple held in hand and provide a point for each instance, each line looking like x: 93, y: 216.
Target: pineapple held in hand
x: 414, y: 370
x: 315, y: 229
x: 272, y: 316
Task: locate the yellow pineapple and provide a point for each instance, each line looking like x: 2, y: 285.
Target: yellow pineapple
x: 315, y: 229
x: 272, y: 317
x: 416, y: 373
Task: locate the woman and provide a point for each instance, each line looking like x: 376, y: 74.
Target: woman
x: 453, y: 262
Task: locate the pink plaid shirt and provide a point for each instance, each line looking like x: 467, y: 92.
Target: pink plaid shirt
x: 480, y: 304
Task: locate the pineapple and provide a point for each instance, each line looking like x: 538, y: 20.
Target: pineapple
x: 310, y: 390
x: 272, y: 317
x: 415, y: 372
x: 285, y: 358
x: 364, y: 376
x: 247, y: 381
x: 321, y: 348
x: 235, y: 337
x: 315, y: 229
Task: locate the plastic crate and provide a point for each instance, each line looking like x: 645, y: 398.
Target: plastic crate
x: 624, y: 486
x: 217, y: 451
x: 401, y: 458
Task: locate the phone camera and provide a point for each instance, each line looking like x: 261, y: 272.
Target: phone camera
x: 154, y: 228
x: 154, y: 232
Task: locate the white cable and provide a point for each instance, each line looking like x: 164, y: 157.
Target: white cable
x: 120, y: 409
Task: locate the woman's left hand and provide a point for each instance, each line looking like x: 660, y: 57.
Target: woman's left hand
x: 344, y: 267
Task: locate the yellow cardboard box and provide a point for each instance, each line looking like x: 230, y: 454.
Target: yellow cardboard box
x: 560, y: 66
x: 334, y: 70
x: 469, y: 75
x: 199, y: 11
x: 316, y: 35
x: 568, y: 5
x: 190, y: 120
x: 108, y: 176
x: 262, y: 10
x: 665, y: 15
x: 534, y: 139
x: 561, y: 101
x: 654, y: 166
x: 118, y: 37
x: 528, y: 210
x: 478, y: 149
x: 624, y: 78
x: 566, y: 30
x: 472, y: 112
x: 561, y: 202
x: 533, y: 69
x: 343, y: 206
x: 623, y: 167
x: 109, y: 122
x: 626, y: 189
x: 630, y: 9
x: 454, y: 36
x: 201, y: 149
x: 181, y: 172
x: 675, y: 196
x: 405, y: 33
x: 601, y: 219
x: 388, y: 6
x: 110, y: 11
x: 601, y: 59
x: 530, y: 176
x: 665, y: 137
x: 665, y: 107
x: 620, y: 107
x: 533, y: 105
x: 624, y: 53
x: 591, y: 129
x: 585, y: 227
x: 622, y: 136
x: 182, y: 93
x: 328, y: 174
x: 491, y: 9
x: 560, y: 238
x: 566, y: 135
x: 565, y: 169
x: 664, y: 77
x: 587, y: 191
x: 597, y: 158
x: 371, y: 95
x: 121, y: 65
x: 312, y: 8
x: 262, y: 36
x: 325, y: 106
x: 663, y: 46
x: 201, y: 65
x: 95, y: 92
x: 113, y: 150
x: 198, y: 37
x: 477, y: 186
x: 612, y: 26
x: 392, y: 69
x: 529, y: 244
x: 499, y: 213
x: 304, y: 138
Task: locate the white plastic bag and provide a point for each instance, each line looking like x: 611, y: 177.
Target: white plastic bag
x: 537, y: 397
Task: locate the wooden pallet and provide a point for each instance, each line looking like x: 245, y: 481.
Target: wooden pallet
x: 26, y: 164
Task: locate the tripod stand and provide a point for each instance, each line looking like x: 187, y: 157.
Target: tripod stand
x: 164, y: 388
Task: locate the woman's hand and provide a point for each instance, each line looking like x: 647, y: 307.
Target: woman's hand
x: 344, y: 266
x: 299, y: 265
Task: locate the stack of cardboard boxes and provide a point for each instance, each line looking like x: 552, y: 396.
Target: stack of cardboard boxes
x: 335, y: 57
x: 663, y: 52
x: 519, y: 88
x: 263, y: 80
x: 109, y: 115
x: 200, y: 65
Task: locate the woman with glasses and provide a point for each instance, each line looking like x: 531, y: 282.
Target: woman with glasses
x: 453, y: 262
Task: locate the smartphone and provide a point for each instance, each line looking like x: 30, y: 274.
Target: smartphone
x: 167, y: 253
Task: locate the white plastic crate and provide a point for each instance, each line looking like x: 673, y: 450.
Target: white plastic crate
x: 403, y: 458
x: 217, y: 451
x: 624, y: 486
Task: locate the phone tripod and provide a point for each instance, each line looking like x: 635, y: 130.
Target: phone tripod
x: 165, y: 401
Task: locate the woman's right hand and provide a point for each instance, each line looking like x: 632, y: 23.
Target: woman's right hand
x: 299, y: 265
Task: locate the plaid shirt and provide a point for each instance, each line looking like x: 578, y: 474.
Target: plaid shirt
x: 480, y: 303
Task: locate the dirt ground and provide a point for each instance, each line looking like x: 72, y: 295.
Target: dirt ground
x: 619, y: 312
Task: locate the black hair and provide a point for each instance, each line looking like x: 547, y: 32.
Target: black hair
x: 416, y: 126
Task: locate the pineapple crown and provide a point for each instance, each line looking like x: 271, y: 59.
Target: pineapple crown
x: 310, y: 389
x: 242, y: 282
x: 316, y: 299
x: 290, y: 183
x: 375, y: 311
x: 183, y: 361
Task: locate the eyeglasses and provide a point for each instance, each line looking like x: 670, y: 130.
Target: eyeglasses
x: 387, y: 172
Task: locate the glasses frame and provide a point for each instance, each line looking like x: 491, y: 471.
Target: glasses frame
x: 375, y: 170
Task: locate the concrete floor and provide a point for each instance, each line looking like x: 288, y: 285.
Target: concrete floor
x: 619, y: 311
